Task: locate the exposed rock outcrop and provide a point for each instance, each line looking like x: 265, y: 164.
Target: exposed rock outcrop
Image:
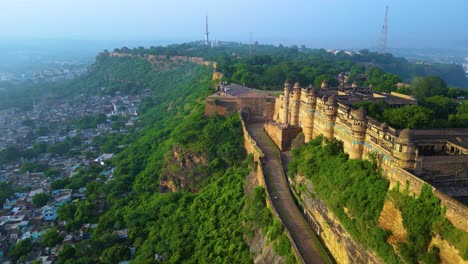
x: 391, y: 219
x: 182, y: 170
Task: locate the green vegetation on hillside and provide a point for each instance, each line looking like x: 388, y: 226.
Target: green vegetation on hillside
x: 355, y: 191
x: 423, y: 217
x: 183, y: 227
x: 451, y: 73
x: 267, y: 58
x: 260, y: 217
x: 270, y: 71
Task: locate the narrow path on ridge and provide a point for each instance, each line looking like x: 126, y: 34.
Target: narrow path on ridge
x: 284, y: 204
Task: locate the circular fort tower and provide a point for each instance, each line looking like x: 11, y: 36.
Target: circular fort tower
x: 296, y: 100
x: 358, y: 128
x: 284, y: 111
x: 324, y: 85
x: 330, y: 111
x: 308, y: 123
x: 405, y: 150
x: 284, y: 117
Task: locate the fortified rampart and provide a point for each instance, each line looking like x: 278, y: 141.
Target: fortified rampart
x: 413, y: 157
x: 456, y: 212
x: 251, y: 147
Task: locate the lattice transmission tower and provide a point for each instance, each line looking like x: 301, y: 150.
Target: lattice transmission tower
x: 383, y: 37
x: 207, y: 37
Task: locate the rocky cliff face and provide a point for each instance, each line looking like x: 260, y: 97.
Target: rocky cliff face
x: 391, y: 220
x: 340, y: 244
x: 448, y: 253
x: 263, y: 252
x: 261, y: 249
x: 182, y: 170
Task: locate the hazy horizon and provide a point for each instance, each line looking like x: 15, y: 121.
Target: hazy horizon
x: 316, y: 24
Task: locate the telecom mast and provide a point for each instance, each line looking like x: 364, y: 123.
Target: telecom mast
x: 383, y: 38
x: 207, y: 41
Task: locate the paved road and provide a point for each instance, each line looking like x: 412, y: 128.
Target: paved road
x: 284, y: 204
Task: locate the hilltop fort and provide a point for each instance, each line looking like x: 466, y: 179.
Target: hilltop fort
x: 417, y: 156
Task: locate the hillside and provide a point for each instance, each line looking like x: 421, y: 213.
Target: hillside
x: 178, y: 186
x: 266, y: 69
x: 452, y: 74
x: 320, y: 62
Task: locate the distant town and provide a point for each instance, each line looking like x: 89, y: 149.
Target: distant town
x: 67, y: 129
x: 58, y: 71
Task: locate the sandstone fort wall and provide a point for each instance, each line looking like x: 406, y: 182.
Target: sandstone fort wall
x: 252, y: 148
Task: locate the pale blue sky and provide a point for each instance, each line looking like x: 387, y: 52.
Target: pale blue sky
x: 316, y: 23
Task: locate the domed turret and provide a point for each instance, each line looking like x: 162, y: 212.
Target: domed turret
x: 311, y: 90
x: 406, y: 136
x: 384, y: 126
x: 359, y: 114
x: 324, y: 85
x: 284, y: 114
x: 297, y: 86
x: 359, y: 127
x: 405, y: 149
x: 331, y: 99
x: 287, y: 86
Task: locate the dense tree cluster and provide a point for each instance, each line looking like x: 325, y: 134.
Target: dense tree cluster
x: 90, y: 121
x: 436, y: 109
x: 40, y: 199
x: 5, y: 191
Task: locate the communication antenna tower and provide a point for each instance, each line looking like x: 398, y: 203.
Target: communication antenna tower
x: 206, y: 33
x: 383, y: 38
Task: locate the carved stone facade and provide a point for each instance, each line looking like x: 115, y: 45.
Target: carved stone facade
x: 328, y: 112
x: 435, y: 156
